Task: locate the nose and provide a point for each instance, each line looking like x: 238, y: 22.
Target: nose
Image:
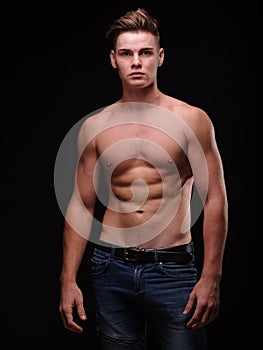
x: 136, y: 62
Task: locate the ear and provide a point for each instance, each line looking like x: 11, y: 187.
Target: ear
x: 161, y: 57
x: 112, y: 59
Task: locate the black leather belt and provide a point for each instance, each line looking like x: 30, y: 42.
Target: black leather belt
x: 180, y: 253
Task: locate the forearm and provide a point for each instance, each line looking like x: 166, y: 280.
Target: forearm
x: 77, y: 228
x: 215, y: 228
x: 74, y: 247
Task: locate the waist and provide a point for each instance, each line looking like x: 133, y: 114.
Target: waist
x: 179, y: 253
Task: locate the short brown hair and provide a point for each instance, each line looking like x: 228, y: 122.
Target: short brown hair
x: 133, y: 21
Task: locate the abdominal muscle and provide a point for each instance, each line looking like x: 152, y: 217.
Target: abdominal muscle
x: 145, y: 210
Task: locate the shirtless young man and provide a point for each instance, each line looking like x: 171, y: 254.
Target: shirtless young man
x: 153, y: 149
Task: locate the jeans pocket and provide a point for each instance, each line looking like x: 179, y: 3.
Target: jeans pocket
x: 99, y: 264
x: 178, y: 270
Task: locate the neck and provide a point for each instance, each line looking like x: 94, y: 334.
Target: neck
x: 147, y: 95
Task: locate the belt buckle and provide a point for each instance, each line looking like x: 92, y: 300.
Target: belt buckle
x: 129, y: 259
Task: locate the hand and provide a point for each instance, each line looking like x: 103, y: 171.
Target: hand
x: 205, y: 297
x: 71, y: 298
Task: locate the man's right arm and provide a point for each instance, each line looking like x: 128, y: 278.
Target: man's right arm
x: 77, y: 228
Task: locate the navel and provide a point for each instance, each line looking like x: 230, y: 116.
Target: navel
x: 139, y: 211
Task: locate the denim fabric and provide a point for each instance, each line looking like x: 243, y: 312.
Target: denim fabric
x: 130, y: 296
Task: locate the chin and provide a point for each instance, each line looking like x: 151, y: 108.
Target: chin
x: 139, y: 84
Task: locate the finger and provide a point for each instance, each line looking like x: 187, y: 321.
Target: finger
x: 69, y: 322
x: 190, y: 304
x: 205, y: 316
x: 74, y: 327
x: 210, y: 315
x: 195, y: 319
x: 81, y: 312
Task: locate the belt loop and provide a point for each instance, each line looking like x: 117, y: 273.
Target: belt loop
x: 155, y: 255
x: 112, y: 253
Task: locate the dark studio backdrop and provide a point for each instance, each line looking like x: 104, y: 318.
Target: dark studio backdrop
x: 56, y: 70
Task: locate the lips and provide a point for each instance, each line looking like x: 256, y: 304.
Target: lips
x: 136, y: 74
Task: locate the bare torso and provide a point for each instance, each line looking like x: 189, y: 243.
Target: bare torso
x: 150, y: 182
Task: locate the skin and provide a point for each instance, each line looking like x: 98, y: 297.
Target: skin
x: 137, y: 58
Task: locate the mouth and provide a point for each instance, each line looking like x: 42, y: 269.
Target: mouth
x: 136, y: 74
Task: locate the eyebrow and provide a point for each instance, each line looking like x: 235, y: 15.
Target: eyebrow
x: 144, y: 48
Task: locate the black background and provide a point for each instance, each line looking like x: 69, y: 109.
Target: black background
x: 55, y: 70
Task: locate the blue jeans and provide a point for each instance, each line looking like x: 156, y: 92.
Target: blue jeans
x: 128, y: 297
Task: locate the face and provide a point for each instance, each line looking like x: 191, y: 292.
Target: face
x: 137, y: 57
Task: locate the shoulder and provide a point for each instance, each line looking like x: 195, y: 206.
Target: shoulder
x: 94, y: 122
x: 195, y: 117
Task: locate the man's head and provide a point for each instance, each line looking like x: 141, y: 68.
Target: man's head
x: 133, y: 21
x: 135, y: 48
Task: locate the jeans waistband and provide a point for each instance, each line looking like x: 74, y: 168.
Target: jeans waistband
x: 179, y: 253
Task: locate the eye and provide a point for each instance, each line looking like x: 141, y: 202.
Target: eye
x: 125, y: 53
x: 146, y: 53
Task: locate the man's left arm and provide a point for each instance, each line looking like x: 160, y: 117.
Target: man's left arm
x: 210, y: 183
